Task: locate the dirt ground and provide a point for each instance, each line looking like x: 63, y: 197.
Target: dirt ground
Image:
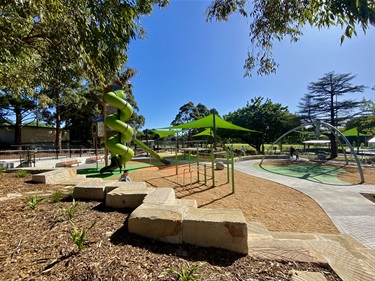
x: 37, y: 244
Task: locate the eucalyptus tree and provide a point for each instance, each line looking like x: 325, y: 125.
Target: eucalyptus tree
x: 78, y: 118
x: 94, y: 33
x: 66, y: 41
x: 275, y: 20
x: 18, y: 94
x: 16, y: 111
x: 324, y: 102
x: 136, y: 120
x: 189, y: 112
x: 61, y: 86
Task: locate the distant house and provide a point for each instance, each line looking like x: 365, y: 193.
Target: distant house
x: 31, y: 136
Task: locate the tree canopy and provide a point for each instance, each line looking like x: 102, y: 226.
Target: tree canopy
x: 323, y: 102
x: 52, y: 47
x: 275, y: 20
x: 324, y: 99
x: 268, y: 118
x: 189, y: 112
x: 93, y: 34
x: 365, y: 123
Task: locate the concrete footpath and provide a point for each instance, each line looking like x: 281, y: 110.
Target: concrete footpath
x: 351, y: 213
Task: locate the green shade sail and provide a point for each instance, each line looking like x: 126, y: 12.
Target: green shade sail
x: 207, y: 132
x: 211, y: 121
x: 166, y: 132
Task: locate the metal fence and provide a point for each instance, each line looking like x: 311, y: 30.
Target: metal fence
x: 48, y: 153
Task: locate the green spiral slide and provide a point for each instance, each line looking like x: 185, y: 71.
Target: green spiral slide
x: 119, y: 152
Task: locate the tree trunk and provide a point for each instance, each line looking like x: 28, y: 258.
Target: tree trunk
x: 333, y: 110
x: 334, y: 153
x: 58, y: 124
x: 18, y: 129
x: 258, y: 148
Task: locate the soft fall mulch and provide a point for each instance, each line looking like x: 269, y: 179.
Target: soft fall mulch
x: 36, y: 244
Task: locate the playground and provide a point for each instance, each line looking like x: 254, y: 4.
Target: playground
x: 113, y: 252
x: 278, y: 207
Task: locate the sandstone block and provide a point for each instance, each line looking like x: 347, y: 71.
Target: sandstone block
x: 289, y: 250
x: 165, y: 196
x: 220, y: 228
x: 130, y: 195
x: 159, y: 222
x: 55, y: 176
x: 90, y: 190
x: 344, y: 263
x: 187, y: 203
x: 307, y: 276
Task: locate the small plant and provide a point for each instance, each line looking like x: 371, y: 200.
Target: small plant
x: 56, y: 220
x: 56, y: 196
x: 185, y: 274
x: 22, y: 173
x: 78, y: 236
x: 34, y: 201
x: 71, y: 209
x: 1, y: 171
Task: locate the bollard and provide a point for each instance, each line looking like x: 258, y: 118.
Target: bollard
x: 227, y: 166
x: 232, y: 174
x: 213, y: 166
x: 198, y: 163
x: 205, y: 174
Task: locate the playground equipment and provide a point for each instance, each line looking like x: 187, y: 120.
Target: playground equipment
x: 317, y: 124
x: 121, y: 153
x: 150, y: 151
x: 202, y: 169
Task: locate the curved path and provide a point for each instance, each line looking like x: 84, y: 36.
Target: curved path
x: 351, y: 213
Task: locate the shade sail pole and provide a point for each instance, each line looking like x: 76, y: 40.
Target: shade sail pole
x: 214, y: 123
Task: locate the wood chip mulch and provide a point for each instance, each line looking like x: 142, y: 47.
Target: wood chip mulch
x: 36, y: 244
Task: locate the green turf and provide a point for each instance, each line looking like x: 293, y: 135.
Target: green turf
x: 312, y: 172
x: 92, y: 172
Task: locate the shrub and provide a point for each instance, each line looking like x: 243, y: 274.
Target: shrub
x: 56, y: 196
x: 22, y: 173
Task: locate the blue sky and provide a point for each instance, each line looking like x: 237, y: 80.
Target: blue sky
x: 184, y: 58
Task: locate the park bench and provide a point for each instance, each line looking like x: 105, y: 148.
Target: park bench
x: 68, y: 163
x: 94, y: 159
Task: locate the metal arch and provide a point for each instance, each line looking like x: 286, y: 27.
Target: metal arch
x: 318, y: 122
x: 287, y: 133
x: 351, y: 149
